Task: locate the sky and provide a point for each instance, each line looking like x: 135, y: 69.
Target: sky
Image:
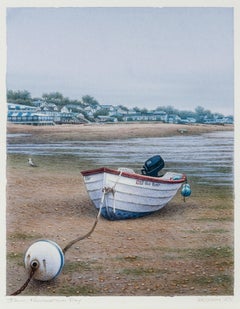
x: 144, y: 57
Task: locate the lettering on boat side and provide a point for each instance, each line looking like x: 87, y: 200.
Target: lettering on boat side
x: 147, y: 183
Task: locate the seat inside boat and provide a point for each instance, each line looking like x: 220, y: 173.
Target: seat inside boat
x: 152, y: 166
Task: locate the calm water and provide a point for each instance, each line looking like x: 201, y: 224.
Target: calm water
x: 208, y: 158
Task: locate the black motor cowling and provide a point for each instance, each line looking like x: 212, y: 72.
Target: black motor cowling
x: 152, y: 166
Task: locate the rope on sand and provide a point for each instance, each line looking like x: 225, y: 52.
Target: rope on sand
x: 35, y: 263
x: 34, y: 267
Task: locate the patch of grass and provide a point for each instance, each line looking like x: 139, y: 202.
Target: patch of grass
x: 214, y: 219
x: 142, y: 271
x: 54, y: 163
x: 129, y: 258
x: 223, y: 280
x: 71, y: 267
x: 214, y: 252
x: 205, y: 252
x: 219, y: 284
x: 13, y: 256
x: 80, y: 266
x: 208, y: 196
x: 227, y: 205
x: 84, y: 290
x: 24, y: 236
x: 200, y: 253
x: 213, y: 231
x: 16, y: 258
x: 217, y: 231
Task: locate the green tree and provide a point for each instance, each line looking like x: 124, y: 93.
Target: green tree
x: 88, y: 100
x: 124, y: 108
x: 201, y: 113
x: 186, y: 114
x: 53, y: 97
x: 19, y: 97
x: 101, y: 112
x: 144, y: 111
x: 136, y: 109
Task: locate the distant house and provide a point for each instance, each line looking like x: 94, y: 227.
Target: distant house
x: 148, y: 116
x: 108, y: 107
x: 71, y: 108
x: 173, y: 118
x: 191, y: 120
x: 132, y: 117
x: 20, y: 107
x: 23, y: 114
x: 65, y: 109
x: 48, y: 107
x: 122, y: 111
x: 160, y: 115
x: 38, y: 102
x: 72, y: 113
x: 106, y: 118
x: 187, y: 120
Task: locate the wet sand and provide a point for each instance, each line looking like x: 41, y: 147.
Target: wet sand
x: 184, y: 249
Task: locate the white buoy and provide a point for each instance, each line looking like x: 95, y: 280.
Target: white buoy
x: 46, y: 257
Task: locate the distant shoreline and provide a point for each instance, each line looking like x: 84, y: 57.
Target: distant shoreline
x: 45, y: 134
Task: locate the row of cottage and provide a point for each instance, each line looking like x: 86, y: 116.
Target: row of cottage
x: 43, y: 113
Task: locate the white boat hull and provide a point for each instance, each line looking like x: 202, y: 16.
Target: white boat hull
x: 123, y: 195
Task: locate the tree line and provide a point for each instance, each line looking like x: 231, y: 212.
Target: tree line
x: 24, y: 97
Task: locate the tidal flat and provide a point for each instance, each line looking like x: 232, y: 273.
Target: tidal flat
x: 184, y: 249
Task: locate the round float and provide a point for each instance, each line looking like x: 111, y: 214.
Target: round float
x: 46, y: 257
x: 186, y: 190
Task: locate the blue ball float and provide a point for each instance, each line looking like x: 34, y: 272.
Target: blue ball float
x: 186, y: 190
x: 46, y: 257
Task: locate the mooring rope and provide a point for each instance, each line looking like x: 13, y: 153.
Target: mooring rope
x: 34, y: 267
x: 69, y: 245
x: 112, y: 190
x: 35, y: 264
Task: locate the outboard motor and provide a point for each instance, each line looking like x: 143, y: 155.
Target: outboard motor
x: 152, y: 166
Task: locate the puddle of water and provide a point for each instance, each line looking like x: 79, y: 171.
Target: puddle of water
x: 207, y: 157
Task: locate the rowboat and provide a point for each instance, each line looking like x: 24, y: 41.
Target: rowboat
x: 123, y: 194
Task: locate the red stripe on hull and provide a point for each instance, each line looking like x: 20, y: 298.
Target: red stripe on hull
x: 132, y: 175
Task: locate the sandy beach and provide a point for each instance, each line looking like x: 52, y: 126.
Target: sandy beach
x: 184, y: 249
x: 109, y: 131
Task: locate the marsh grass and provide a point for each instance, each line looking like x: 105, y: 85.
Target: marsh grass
x: 214, y: 252
x: 129, y: 258
x: 198, y: 253
x: 81, y: 266
x: 83, y: 290
x: 211, y: 283
x: 23, y: 236
x: 14, y: 255
x: 215, y: 231
x: 211, y: 219
x: 68, y: 163
x: 224, y: 280
x: 142, y: 271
